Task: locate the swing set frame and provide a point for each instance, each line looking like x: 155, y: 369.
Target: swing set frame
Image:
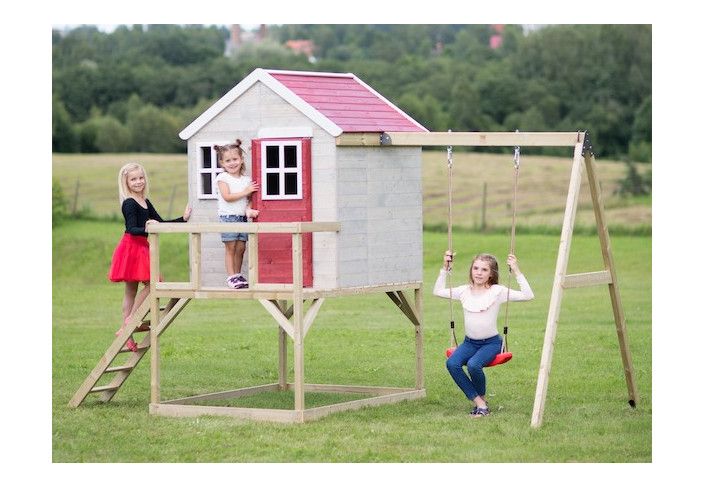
x: 582, y: 156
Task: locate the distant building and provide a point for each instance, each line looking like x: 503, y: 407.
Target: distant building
x: 303, y: 46
x: 496, y: 38
x: 239, y: 37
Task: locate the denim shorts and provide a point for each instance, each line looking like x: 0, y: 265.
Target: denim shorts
x: 231, y: 236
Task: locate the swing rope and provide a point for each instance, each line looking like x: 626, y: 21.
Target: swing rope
x: 505, y: 355
x: 517, y: 157
x: 453, y: 339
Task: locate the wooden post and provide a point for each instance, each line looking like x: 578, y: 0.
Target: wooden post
x: 195, y: 259
x: 298, y: 322
x: 154, y: 315
x: 282, y: 359
x: 282, y: 348
x: 418, y: 330
x: 483, y: 215
x: 75, y: 197
x: 253, y: 259
x: 554, y: 307
x: 618, y: 311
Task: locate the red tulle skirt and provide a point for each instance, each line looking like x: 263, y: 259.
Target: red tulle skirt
x: 130, y: 259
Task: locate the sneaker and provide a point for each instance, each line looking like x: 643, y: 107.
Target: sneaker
x: 240, y: 282
x: 480, y: 412
x: 231, y: 282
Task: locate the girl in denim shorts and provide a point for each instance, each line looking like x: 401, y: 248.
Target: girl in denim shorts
x: 234, y: 190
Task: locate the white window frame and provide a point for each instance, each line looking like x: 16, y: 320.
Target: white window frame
x: 214, y: 170
x: 282, y: 170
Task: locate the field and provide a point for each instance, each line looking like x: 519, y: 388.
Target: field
x: 89, y: 181
x: 219, y: 345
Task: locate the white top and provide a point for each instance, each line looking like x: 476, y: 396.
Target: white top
x: 480, y: 310
x: 236, y: 185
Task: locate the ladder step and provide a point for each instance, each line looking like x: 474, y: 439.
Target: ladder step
x: 139, y: 347
x: 104, y: 388
x: 143, y: 327
x: 119, y: 368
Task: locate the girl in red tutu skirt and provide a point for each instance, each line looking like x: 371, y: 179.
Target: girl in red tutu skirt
x: 130, y: 263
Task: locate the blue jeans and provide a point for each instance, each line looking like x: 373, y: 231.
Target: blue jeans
x: 474, y: 354
x: 230, y: 236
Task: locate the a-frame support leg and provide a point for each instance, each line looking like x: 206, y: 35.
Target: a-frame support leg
x: 562, y: 281
x: 554, y: 307
x: 615, y: 297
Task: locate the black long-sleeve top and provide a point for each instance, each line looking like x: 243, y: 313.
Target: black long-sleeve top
x: 136, y: 216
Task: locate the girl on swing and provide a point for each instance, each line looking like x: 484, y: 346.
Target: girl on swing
x: 481, y: 299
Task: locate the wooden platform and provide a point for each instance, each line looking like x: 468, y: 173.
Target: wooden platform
x: 184, y: 407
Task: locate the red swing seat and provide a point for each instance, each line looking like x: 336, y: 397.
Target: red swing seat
x: 499, y: 359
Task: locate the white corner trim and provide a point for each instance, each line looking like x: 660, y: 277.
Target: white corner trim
x: 260, y: 74
x: 221, y: 104
x: 276, y: 132
x: 392, y: 105
x: 311, y: 73
x: 297, y: 102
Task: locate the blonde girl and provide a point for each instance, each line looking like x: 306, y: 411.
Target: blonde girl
x: 130, y: 262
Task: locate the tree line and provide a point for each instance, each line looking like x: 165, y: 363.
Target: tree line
x: 134, y: 89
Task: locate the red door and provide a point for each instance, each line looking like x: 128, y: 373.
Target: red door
x: 282, y: 167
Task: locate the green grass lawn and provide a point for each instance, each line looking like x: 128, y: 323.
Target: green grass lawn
x: 218, y: 345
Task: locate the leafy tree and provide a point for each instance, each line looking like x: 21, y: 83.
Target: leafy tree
x: 63, y: 135
x: 59, y: 204
x: 111, y: 135
x: 561, y: 77
x: 152, y: 130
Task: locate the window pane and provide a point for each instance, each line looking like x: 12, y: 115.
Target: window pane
x: 206, y: 153
x: 272, y: 156
x: 289, y: 156
x: 206, y: 184
x: 290, y: 183
x: 272, y: 184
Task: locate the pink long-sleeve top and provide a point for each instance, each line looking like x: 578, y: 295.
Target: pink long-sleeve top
x: 480, y: 310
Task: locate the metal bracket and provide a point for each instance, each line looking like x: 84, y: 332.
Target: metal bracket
x: 587, y: 145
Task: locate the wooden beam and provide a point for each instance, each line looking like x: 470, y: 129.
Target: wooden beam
x: 554, y: 307
x: 408, y: 309
x: 418, y: 303
x: 195, y: 259
x: 184, y: 410
x: 298, y: 321
x: 587, y: 279
x: 171, y: 314
x: 617, y: 309
x: 265, y: 227
x: 278, y: 316
x: 319, y: 412
x: 154, y: 315
x: 216, y: 396
x: 481, y: 139
x: 359, y: 139
x: 253, y: 259
x: 311, y: 314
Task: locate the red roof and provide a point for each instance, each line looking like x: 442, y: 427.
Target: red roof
x: 348, y: 103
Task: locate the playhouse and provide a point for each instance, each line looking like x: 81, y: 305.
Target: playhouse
x: 339, y: 168
x: 290, y: 121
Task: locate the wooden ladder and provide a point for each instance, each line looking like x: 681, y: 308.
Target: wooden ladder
x: 141, y: 322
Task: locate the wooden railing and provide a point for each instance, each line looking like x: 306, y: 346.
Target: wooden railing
x: 195, y: 230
